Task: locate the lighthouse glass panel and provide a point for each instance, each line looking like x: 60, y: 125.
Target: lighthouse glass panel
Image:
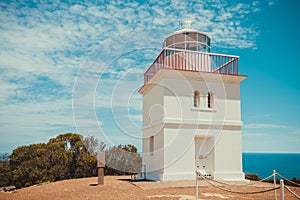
x: 188, y: 40
x: 180, y: 45
x: 169, y: 41
x: 179, y: 38
x: 208, y: 41
x: 201, y: 38
x: 191, y: 46
x: 191, y: 36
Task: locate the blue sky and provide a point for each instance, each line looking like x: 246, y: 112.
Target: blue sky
x: 76, y: 66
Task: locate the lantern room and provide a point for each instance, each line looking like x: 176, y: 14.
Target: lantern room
x: 188, y: 39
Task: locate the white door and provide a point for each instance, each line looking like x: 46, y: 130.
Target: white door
x: 204, y: 153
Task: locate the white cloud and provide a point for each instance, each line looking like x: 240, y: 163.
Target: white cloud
x: 253, y: 135
x: 44, y: 44
x: 264, y: 126
x: 27, y: 123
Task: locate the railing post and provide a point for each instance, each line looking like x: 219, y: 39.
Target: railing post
x: 196, y: 172
x: 281, y: 189
x: 274, y: 180
x: 236, y: 67
x: 192, y: 61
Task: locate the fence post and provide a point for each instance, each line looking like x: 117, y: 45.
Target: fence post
x: 281, y: 189
x: 274, y: 180
x: 101, y: 166
x: 196, y: 183
x: 145, y: 178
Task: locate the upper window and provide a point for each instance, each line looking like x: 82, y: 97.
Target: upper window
x: 196, y: 99
x: 210, y: 99
x: 151, y: 145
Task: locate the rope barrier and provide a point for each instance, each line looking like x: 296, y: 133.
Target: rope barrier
x: 242, y: 185
x: 293, y: 193
x: 253, y: 183
x: 219, y: 182
x: 288, y: 180
x: 238, y: 192
x: 281, y: 187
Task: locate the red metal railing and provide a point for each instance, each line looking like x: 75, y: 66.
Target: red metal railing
x: 186, y: 60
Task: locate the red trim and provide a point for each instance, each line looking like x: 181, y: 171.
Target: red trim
x: 185, y: 60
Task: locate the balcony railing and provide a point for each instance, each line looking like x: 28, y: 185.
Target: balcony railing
x: 185, y: 60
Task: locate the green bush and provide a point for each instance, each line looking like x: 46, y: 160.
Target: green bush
x: 253, y: 177
x: 5, y: 174
x: 64, y: 157
x: 122, y: 160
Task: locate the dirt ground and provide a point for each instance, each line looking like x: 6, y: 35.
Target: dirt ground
x: 120, y: 187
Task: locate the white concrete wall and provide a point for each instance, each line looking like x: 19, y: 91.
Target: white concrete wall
x: 153, y: 106
x: 179, y: 151
x: 169, y: 115
x: 178, y: 100
x: 154, y: 162
x: 228, y: 156
x: 180, y: 160
x: 153, y: 114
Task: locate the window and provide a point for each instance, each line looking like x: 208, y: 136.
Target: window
x: 151, y: 145
x: 196, y: 99
x: 210, y: 99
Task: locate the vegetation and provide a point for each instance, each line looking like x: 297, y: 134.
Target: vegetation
x: 122, y: 159
x: 64, y: 157
x: 295, y: 180
x: 5, y: 174
x: 253, y: 177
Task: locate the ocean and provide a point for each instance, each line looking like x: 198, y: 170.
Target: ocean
x: 263, y: 164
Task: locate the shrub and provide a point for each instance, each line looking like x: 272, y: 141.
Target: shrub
x: 253, y: 177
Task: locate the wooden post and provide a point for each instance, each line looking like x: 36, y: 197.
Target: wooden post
x: 196, y: 186
x: 281, y: 189
x: 101, y: 166
x: 100, y: 175
x: 197, y: 171
x: 274, y: 180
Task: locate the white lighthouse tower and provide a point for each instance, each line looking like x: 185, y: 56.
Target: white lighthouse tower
x: 191, y: 111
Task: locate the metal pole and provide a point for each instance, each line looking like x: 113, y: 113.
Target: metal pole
x: 281, y: 189
x: 145, y: 172
x: 274, y: 180
x: 196, y: 185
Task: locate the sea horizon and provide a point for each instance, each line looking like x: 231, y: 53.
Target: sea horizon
x: 272, y: 152
x: 263, y: 164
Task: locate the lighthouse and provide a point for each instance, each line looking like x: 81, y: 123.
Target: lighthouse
x: 192, y: 111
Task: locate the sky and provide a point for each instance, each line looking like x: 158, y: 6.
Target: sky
x: 77, y: 66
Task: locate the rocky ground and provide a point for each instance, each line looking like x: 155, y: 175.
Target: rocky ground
x: 120, y: 187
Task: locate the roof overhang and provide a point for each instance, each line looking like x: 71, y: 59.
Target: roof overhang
x: 190, y: 75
